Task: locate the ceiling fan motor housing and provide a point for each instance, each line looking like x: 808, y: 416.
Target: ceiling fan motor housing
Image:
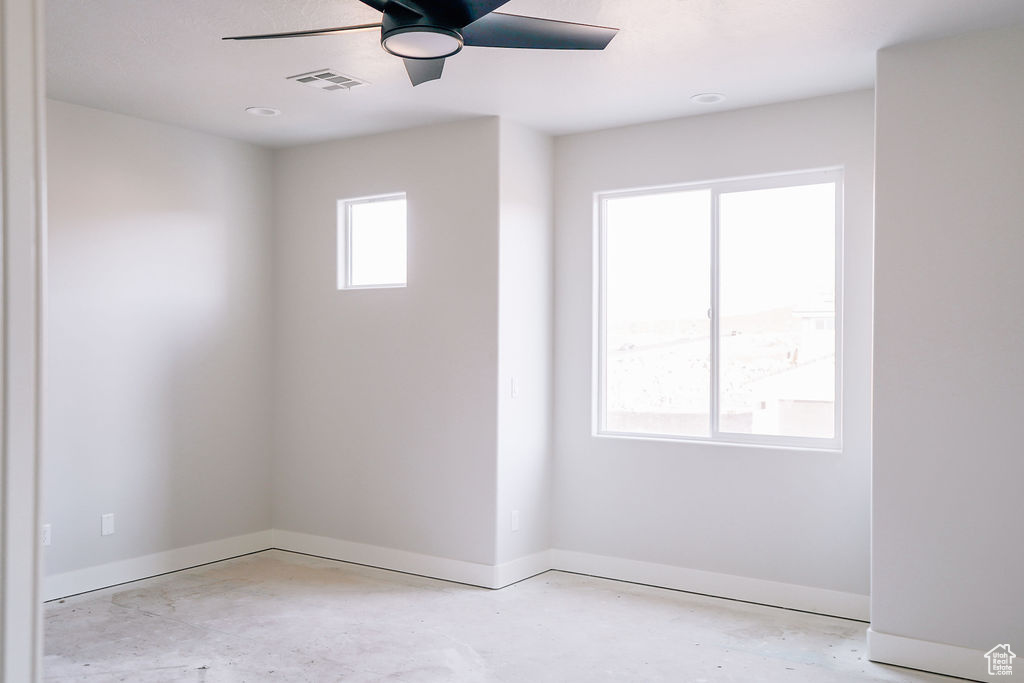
x: 418, y: 37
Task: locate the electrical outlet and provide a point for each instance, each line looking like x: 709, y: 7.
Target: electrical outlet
x: 47, y: 535
x: 515, y: 520
x: 107, y: 524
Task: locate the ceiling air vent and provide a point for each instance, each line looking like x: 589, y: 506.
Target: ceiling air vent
x: 327, y: 79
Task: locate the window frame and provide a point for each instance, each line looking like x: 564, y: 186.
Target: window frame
x: 599, y: 338
x: 343, y: 237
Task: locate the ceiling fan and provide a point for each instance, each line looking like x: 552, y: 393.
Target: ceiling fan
x: 425, y: 32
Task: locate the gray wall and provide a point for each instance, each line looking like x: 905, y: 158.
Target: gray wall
x: 949, y: 373
x: 784, y: 515
x: 386, y: 399
x: 158, y: 329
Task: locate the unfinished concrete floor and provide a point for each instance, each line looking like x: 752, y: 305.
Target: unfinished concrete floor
x: 278, y: 616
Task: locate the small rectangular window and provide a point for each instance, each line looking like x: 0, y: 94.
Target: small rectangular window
x: 372, y: 242
x: 719, y: 311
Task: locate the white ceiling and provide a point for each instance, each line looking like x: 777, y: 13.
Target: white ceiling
x: 164, y: 60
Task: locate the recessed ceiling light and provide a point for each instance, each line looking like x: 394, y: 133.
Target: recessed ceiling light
x: 262, y: 111
x: 708, y: 98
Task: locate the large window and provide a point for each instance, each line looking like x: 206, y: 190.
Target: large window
x: 372, y: 242
x: 719, y: 311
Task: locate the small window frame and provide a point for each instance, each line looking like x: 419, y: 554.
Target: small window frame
x: 344, y: 241
x: 599, y: 335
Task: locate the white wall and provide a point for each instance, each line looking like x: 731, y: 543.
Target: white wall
x: 525, y: 302
x: 773, y: 514
x: 948, y: 513
x: 386, y: 400
x: 159, y: 326
x: 22, y: 277
x: 182, y: 354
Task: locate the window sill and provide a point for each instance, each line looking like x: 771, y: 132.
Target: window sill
x: 828, y: 446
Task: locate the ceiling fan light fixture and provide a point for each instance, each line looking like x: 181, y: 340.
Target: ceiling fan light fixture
x: 422, y: 42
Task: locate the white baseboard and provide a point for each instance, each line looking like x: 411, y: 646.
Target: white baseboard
x: 820, y: 600
x: 791, y: 596
x: 523, y: 568
x: 385, y: 558
x: 472, y: 573
x: 122, y: 571
x: 951, y: 660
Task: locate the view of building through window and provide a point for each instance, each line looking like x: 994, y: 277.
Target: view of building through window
x: 658, y: 332
x: 777, y: 311
x: 372, y: 242
x: 758, y: 264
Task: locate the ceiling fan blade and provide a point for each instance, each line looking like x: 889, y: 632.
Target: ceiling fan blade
x: 512, y: 30
x: 457, y: 13
x: 313, y: 32
x: 423, y: 70
x: 378, y: 5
